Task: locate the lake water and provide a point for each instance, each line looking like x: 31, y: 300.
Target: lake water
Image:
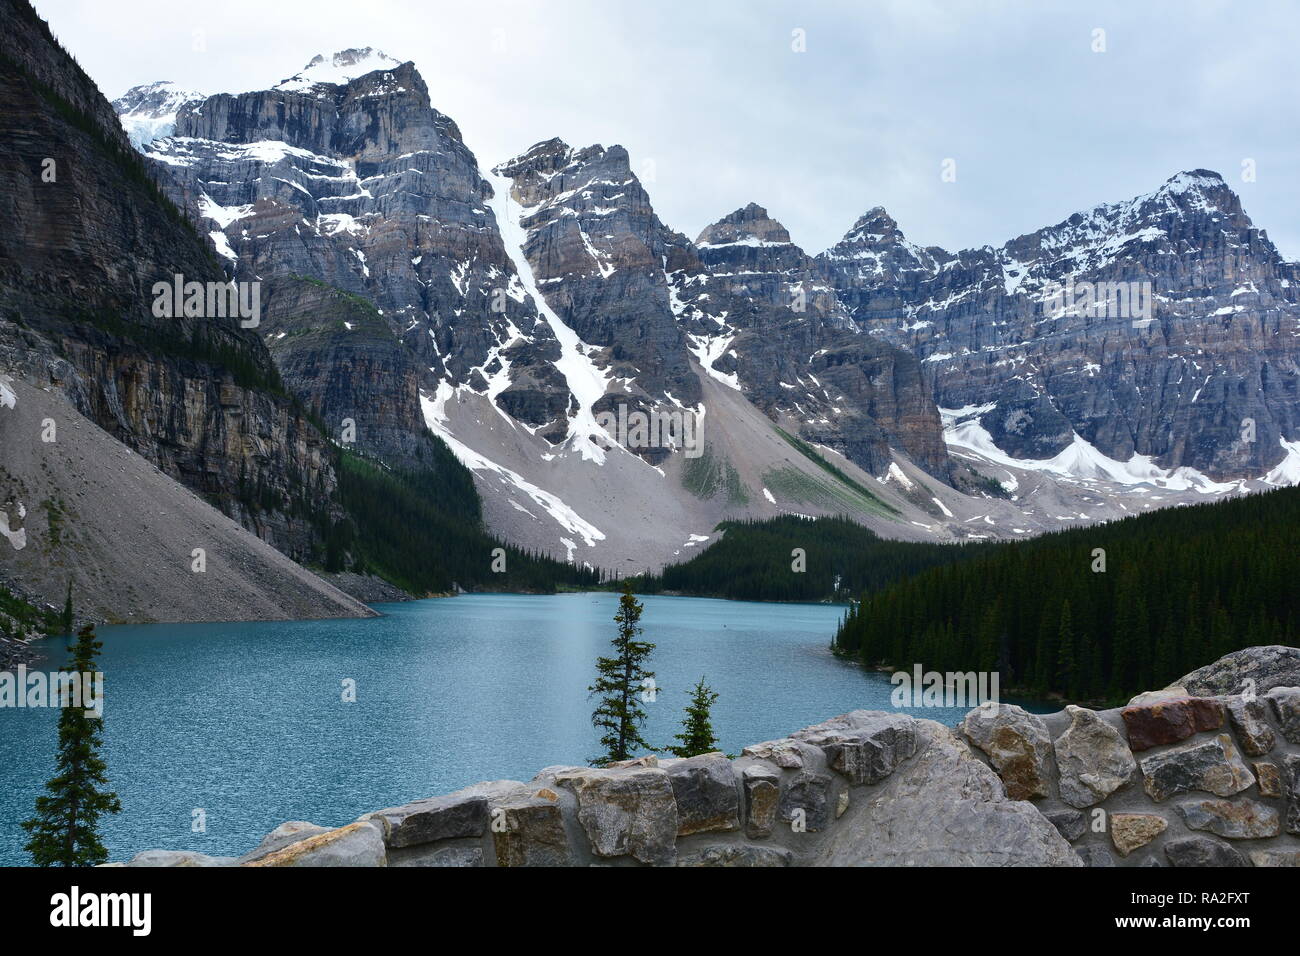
x: 247, y: 721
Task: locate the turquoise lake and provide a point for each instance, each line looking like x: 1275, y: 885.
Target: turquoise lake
x: 247, y: 721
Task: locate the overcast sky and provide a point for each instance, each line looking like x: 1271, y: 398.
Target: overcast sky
x: 715, y: 96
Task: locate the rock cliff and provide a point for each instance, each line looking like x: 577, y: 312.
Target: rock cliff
x: 90, y: 235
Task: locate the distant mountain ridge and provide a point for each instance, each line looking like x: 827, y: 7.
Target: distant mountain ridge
x: 1217, y: 351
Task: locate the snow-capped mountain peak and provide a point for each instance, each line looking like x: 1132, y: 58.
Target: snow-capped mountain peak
x: 336, y: 70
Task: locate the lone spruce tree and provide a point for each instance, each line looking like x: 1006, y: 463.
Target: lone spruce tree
x: 66, y: 620
x: 65, y: 830
x: 697, y: 728
x: 619, y: 678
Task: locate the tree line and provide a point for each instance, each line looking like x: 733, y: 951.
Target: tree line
x: 793, y: 558
x: 1098, y: 612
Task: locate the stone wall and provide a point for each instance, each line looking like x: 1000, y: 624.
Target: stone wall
x: 1170, y: 780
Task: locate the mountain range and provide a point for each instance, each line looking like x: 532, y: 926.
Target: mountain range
x: 615, y: 388
x: 931, y: 394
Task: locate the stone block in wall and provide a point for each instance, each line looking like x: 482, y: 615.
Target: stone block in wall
x: 1169, y: 721
x: 1095, y: 855
x: 1262, y: 668
x: 1092, y: 758
x: 1017, y: 744
x: 528, y: 830
x: 357, y: 844
x: 185, y: 859
x: 282, y: 836
x: 628, y: 812
x: 807, y: 799
x: 1275, y: 857
x: 1071, y: 824
x: 762, y: 787
x: 1242, y: 819
x: 706, y: 793
x: 460, y: 814
x: 1291, y: 781
x: 786, y: 753
x: 1269, y: 779
x: 865, y: 746
x: 1129, y: 831
x: 433, y: 855
x: 649, y: 760
x: 944, y: 807
x: 1202, y: 851
x: 1250, y: 722
x: 1213, y: 766
x: 1286, y: 706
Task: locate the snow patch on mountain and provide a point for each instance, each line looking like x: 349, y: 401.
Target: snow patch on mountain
x: 707, y: 349
x: 587, y: 382
x: 1079, y: 460
x: 1287, y: 471
x: 148, y: 112
x: 435, y: 416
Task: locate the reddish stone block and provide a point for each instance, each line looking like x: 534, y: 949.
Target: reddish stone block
x: 1169, y: 721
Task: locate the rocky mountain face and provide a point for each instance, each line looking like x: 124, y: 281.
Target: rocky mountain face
x: 597, y: 251
x: 345, y: 174
x: 88, y: 236
x: 1161, y: 327
x: 760, y: 313
x: 517, y: 313
x: 546, y: 299
x: 338, y: 355
x: 742, y: 302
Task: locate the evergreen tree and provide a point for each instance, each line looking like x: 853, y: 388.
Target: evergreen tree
x: 64, y: 831
x: 1066, y: 677
x: 619, y: 678
x: 67, y: 611
x: 697, y: 728
x: 1129, y: 639
x: 1185, y: 586
x: 987, y: 638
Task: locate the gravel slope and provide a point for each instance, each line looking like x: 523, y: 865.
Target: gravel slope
x: 85, y: 507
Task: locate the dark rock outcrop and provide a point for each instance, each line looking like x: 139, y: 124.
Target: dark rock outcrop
x: 347, y: 175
